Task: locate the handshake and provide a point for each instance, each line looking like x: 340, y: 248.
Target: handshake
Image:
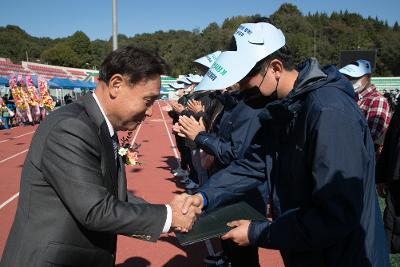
x: 185, y: 209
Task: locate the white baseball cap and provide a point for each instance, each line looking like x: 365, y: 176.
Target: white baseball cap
x: 195, y: 78
x: 183, y: 79
x: 254, y: 41
x: 209, y: 59
x: 357, y: 69
x: 176, y: 85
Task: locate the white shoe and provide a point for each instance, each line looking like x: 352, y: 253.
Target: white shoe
x: 180, y: 172
x: 191, y: 185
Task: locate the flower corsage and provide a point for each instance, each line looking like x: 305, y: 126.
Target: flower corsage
x: 129, y: 151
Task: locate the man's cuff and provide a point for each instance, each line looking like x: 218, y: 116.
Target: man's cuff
x: 205, y: 201
x: 259, y: 233
x: 201, y: 138
x: 168, y: 221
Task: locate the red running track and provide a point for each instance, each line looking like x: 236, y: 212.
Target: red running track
x: 152, y: 181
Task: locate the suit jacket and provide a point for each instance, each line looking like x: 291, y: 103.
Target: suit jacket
x: 73, y: 201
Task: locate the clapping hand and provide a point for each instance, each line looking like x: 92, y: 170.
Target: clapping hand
x: 190, y: 127
x: 195, y: 106
x: 177, y: 107
x: 176, y: 129
x: 183, y: 221
x: 239, y: 233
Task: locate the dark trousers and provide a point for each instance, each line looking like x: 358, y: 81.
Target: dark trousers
x: 391, y: 216
x: 186, y: 158
x: 184, y: 151
x: 240, y: 256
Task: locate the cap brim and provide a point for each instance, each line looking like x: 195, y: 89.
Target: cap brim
x: 177, y: 85
x: 351, y: 71
x: 254, y: 41
x: 195, y: 79
x: 184, y: 80
x: 230, y: 67
x: 208, y: 60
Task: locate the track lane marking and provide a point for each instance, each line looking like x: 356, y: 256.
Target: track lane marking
x: 13, y: 138
x: 9, y: 200
x: 13, y: 156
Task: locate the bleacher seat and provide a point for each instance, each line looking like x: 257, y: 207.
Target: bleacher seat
x: 7, y: 68
x: 77, y: 72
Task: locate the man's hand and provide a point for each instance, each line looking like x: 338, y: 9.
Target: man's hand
x: 239, y: 233
x: 190, y: 127
x: 183, y: 221
x: 381, y: 189
x: 195, y: 106
x: 192, y: 201
x: 176, y: 129
x: 177, y: 107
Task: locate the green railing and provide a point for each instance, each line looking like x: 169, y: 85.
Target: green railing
x: 386, y: 83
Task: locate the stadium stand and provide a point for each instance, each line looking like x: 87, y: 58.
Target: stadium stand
x: 7, y: 68
x: 166, y: 81
x: 77, y: 72
x: 386, y: 83
x: 50, y: 71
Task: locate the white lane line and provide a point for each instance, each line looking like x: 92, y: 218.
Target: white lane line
x: 13, y: 156
x: 9, y: 200
x: 15, y: 137
x: 169, y: 135
x: 136, y: 134
x: 4, y: 160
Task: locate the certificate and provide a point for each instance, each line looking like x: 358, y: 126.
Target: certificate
x: 213, y: 224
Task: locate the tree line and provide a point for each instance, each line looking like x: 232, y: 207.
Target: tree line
x: 320, y: 35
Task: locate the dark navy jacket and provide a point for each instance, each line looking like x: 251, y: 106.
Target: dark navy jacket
x: 324, y: 176
x: 238, y: 129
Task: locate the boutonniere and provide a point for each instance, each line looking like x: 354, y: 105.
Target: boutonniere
x: 129, y: 151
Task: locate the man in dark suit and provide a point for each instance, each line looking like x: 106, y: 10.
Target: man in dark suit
x: 73, y: 196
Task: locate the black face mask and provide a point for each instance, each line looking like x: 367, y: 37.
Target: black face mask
x: 255, y: 99
x: 274, y: 95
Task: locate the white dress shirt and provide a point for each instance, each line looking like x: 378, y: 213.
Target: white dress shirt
x: 168, y: 221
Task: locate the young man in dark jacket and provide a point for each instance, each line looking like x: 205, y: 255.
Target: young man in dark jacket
x: 236, y: 133
x: 324, y: 163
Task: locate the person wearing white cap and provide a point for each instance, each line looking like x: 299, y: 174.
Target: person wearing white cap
x: 204, y: 63
x: 199, y: 173
x: 178, y: 107
x: 323, y: 172
x: 204, y: 100
x: 373, y: 104
x: 238, y: 126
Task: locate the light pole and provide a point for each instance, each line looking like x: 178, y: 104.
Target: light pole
x: 114, y: 24
x: 315, y: 44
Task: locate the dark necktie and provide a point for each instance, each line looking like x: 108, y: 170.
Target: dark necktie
x: 115, y: 143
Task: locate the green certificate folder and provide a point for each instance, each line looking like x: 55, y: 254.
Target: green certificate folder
x: 213, y: 224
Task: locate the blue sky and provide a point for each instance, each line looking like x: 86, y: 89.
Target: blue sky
x: 61, y: 18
